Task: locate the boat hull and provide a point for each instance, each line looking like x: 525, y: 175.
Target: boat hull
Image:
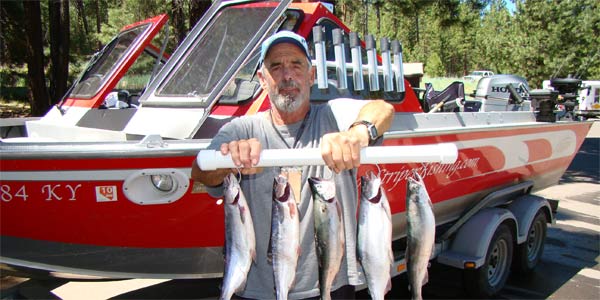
x: 68, y: 210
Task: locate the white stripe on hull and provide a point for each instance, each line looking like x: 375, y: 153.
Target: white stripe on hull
x: 88, y: 175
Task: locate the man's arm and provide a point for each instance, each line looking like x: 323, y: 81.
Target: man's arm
x: 341, y: 150
x: 379, y: 113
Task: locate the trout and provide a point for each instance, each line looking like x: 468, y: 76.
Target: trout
x: 420, y: 233
x: 284, y: 245
x: 375, y: 236
x: 329, y: 232
x: 240, y: 244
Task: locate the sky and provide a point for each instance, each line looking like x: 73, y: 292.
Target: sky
x: 510, y: 5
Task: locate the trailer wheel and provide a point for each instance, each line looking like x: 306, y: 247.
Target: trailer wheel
x: 528, y: 254
x: 489, y: 279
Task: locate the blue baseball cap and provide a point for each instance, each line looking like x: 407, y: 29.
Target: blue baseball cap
x: 284, y: 36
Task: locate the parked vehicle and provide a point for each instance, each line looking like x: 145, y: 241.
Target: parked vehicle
x: 94, y: 191
x: 476, y: 75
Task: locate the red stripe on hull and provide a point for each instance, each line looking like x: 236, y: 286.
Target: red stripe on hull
x: 539, y: 149
x: 89, y: 164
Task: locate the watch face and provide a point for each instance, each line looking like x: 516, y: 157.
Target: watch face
x: 372, y: 132
x: 370, y: 128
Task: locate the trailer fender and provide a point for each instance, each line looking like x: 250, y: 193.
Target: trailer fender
x: 471, y: 242
x: 524, y: 209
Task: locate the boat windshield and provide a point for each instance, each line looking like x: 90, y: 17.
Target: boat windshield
x: 215, y: 51
x: 103, y: 62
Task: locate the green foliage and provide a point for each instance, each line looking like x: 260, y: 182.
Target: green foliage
x: 540, y: 39
x: 434, y: 66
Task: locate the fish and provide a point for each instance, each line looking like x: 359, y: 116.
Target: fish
x: 284, y: 245
x: 420, y: 233
x: 374, y: 247
x: 240, y: 242
x: 329, y: 232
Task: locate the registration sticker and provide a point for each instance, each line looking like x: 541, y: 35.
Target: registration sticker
x: 106, y: 193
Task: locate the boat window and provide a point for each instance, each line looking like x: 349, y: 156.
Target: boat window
x: 215, y: 52
x: 137, y: 77
x: 245, y: 84
x: 103, y: 62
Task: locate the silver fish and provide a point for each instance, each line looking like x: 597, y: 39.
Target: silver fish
x: 240, y: 243
x: 284, y: 245
x: 420, y: 233
x: 375, y: 236
x: 329, y: 232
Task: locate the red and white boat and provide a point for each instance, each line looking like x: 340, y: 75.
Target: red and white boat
x: 103, y: 190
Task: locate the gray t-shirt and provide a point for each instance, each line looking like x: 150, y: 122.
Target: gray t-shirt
x: 258, y: 191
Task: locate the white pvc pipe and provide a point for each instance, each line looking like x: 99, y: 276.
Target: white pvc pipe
x: 445, y: 153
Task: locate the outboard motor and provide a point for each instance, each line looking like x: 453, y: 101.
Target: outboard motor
x: 564, y: 93
x: 501, y: 93
x: 543, y: 102
x: 567, y: 88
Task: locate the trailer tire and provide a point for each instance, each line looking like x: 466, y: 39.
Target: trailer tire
x: 487, y: 280
x: 529, y: 253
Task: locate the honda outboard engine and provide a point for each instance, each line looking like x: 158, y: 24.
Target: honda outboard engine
x: 502, y: 93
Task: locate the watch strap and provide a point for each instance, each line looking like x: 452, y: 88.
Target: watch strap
x: 371, y: 129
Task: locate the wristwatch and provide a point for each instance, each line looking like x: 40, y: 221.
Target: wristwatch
x: 371, y: 129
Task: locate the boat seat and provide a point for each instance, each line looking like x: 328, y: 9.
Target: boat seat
x: 448, y: 96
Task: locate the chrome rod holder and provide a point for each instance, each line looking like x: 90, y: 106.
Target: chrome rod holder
x: 320, y: 57
x: 398, y: 66
x: 357, y: 70
x: 340, y: 58
x: 372, y: 63
x: 388, y: 75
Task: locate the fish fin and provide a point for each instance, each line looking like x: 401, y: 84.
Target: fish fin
x: 253, y: 255
x: 429, y: 201
x: 388, y: 286
x: 270, y: 251
x: 270, y: 257
x: 242, y: 209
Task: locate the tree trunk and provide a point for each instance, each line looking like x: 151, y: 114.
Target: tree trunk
x: 35, y: 59
x: 82, y: 17
x: 178, y: 19
x: 99, y: 14
x: 197, y: 10
x: 59, y: 48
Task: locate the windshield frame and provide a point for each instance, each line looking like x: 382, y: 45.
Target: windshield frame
x: 152, y: 97
x: 100, y: 59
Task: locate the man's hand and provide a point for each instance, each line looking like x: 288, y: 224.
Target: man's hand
x: 245, y: 154
x: 341, y: 150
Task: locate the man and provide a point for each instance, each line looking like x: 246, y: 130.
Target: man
x: 292, y: 122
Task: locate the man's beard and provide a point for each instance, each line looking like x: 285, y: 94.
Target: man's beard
x: 286, y: 103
